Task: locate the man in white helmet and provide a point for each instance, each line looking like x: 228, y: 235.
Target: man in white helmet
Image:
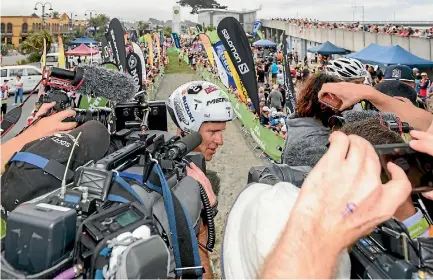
x: 202, y: 107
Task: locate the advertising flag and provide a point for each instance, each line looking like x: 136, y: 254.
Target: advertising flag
x: 116, y: 42
x: 61, y: 58
x: 176, y: 40
x: 150, y: 46
x: 256, y: 27
x: 133, y: 68
x: 138, y: 51
x: 44, y: 55
x: 208, y: 47
x: 158, y: 46
x: 240, y: 87
x: 288, y: 81
x: 222, y: 73
x: 199, y: 28
x: 238, y: 47
x: 106, y: 53
x: 219, y: 49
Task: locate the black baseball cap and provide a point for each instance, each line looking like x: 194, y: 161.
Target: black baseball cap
x: 23, y: 181
x: 396, y: 88
x: 400, y: 73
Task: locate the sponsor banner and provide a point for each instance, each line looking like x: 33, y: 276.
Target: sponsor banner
x: 158, y: 46
x: 288, y: 81
x: 133, y: 67
x: 61, y: 57
x: 176, y: 40
x: 256, y: 27
x: 240, y: 87
x: 219, y: 49
x: 260, y: 34
x: 44, y: 56
x: 106, y: 53
x: 199, y: 28
x: 222, y: 74
x: 116, y: 42
x: 264, y: 137
x: 138, y: 51
x: 238, y: 47
x: 150, y: 46
x: 208, y: 48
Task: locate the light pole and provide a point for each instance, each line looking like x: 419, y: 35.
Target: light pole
x: 71, y: 19
x: 354, y: 9
x: 91, y: 12
x: 43, y: 10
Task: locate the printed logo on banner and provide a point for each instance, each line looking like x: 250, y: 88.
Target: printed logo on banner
x: 187, y: 109
x: 243, y: 68
x: 132, y: 62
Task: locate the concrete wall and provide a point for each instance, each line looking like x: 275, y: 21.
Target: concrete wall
x: 352, y: 40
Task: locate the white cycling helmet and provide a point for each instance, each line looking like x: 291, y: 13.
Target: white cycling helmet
x: 346, y: 69
x: 197, y: 102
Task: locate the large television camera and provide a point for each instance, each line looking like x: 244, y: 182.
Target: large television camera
x: 388, y: 253
x: 133, y: 214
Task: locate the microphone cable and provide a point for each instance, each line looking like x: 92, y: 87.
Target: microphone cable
x: 208, y: 217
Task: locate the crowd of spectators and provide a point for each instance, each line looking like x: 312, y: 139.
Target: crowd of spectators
x: 399, y: 30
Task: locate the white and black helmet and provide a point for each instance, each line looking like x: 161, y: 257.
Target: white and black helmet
x: 346, y: 69
x: 197, y: 102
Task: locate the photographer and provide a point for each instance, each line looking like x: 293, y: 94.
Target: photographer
x: 44, y: 127
x: 316, y: 233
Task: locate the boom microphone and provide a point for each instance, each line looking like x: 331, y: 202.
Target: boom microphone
x: 353, y: 116
x: 97, y: 81
x: 185, y: 145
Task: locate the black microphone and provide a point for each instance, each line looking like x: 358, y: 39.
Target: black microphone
x: 97, y: 81
x: 185, y: 145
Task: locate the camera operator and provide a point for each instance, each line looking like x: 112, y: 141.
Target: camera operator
x: 350, y: 94
x: 201, y: 107
x: 43, y: 127
x: 316, y: 232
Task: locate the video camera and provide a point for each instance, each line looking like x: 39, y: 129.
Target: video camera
x: 133, y: 214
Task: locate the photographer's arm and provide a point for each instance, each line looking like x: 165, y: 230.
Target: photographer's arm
x: 45, y: 127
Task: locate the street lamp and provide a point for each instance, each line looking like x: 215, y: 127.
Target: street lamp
x: 354, y: 9
x: 43, y: 9
x: 73, y: 14
x: 91, y: 12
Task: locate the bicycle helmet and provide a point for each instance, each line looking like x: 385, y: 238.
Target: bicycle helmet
x: 197, y: 102
x: 346, y: 69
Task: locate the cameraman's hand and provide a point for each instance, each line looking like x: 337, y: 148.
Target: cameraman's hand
x: 348, y: 174
x: 349, y: 93
x: 196, y: 173
x: 423, y: 142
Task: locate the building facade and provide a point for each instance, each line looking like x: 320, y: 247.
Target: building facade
x: 214, y: 16
x: 15, y: 29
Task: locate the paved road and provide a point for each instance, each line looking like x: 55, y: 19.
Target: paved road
x: 12, y: 59
x: 27, y: 109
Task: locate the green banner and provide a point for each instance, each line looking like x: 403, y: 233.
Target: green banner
x: 268, y: 141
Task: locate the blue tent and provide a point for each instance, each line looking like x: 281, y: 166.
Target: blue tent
x: 327, y: 48
x: 390, y: 55
x: 83, y: 40
x: 264, y: 43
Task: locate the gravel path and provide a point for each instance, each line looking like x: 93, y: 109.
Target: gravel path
x: 231, y: 163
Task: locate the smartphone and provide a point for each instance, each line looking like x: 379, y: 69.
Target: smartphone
x: 330, y: 100
x: 417, y: 166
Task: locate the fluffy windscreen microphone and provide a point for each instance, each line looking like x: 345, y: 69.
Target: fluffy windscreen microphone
x: 39, y: 167
x: 107, y: 83
x: 353, y: 116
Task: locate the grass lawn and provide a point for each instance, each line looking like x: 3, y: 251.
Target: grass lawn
x: 173, y: 64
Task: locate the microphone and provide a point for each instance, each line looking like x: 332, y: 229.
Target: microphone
x: 185, y: 145
x: 353, y: 116
x: 97, y: 81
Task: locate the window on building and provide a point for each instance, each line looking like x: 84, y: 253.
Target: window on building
x: 3, y: 28
x: 4, y: 72
x: 9, y: 40
x: 24, y: 28
x: 9, y: 28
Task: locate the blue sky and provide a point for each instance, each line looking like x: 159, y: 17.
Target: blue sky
x: 338, y: 10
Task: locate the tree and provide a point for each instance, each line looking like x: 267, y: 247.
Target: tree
x: 167, y: 31
x: 142, y: 27
x: 100, y: 21
x: 55, y: 14
x: 201, y: 4
x: 35, y: 42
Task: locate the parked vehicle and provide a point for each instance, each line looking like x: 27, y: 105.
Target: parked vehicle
x: 30, y: 75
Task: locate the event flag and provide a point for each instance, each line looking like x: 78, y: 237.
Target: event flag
x: 238, y: 47
x: 116, y: 42
x: 208, y: 47
x: 288, y: 81
x: 44, y: 56
x: 61, y: 57
x: 256, y: 27
x: 240, y: 87
x: 219, y: 49
x: 199, y: 28
x: 176, y: 40
x: 138, y: 51
x: 222, y: 73
x: 134, y: 69
x: 106, y: 51
x: 260, y: 34
x: 150, y: 46
x: 158, y: 46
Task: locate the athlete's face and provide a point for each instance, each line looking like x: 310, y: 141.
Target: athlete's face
x: 212, y: 135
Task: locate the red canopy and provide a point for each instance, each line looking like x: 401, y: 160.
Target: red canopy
x: 82, y: 50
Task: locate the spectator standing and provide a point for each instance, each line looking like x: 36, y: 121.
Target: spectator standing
x: 276, y: 99
x: 18, y: 89
x: 379, y: 73
x: 424, y: 85
x: 267, y: 68
x: 4, y: 101
x: 280, y: 77
x: 260, y: 75
x: 274, y: 71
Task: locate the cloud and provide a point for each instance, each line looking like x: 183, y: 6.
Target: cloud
x: 331, y: 10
